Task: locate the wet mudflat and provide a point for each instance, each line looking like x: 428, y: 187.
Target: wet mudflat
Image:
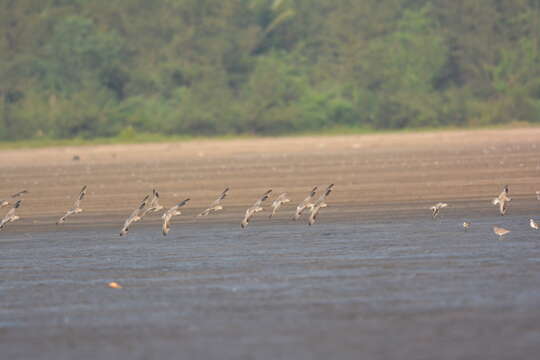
x: 393, y: 289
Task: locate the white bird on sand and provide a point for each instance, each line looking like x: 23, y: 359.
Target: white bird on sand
x: 533, y: 224
x: 76, y: 206
x: 276, y: 204
x: 216, y: 205
x: 4, y: 203
x: 436, y: 208
x: 10, y: 216
x: 502, y: 200
x: 169, y: 214
x: 134, y: 217
x: 500, y: 231
x: 254, y: 209
x: 153, y: 205
x: 305, y: 204
x: 466, y: 225
x: 319, y: 204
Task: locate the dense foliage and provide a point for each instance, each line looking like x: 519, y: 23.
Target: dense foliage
x: 107, y: 67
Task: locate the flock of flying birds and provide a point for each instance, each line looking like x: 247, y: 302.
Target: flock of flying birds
x: 502, y: 201
x: 150, y: 204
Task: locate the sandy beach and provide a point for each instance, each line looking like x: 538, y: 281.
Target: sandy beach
x: 376, y: 176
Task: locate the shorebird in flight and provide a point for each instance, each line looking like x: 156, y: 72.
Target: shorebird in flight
x: 533, y: 224
x: 305, y: 204
x: 500, y: 231
x: 4, y: 203
x: 436, y: 208
x: 153, y: 205
x: 216, y: 205
x: 134, y: 217
x: 76, y: 206
x: 254, y: 209
x: 319, y: 204
x: 169, y: 214
x: 10, y: 216
x: 502, y: 200
x: 276, y: 204
x: 466, y: 225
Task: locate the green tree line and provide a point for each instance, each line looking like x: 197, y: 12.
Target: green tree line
x: 78, y: 68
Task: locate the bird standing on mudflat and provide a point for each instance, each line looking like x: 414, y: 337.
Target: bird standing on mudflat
x: 533, y: 224
x: 319, y: 204
x: 10, y: 216
x: 466, y: 225
x: 216, y: 205
x: 276, y: 204
x: 134, y: 217
x: 502, y: 200
x: 254, y: 209
x: 169, y: 214
x: 76, y: 206
x: 500, y: 231
x: 305, y: 204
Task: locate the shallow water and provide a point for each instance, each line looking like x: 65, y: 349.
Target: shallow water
x: 406, y: 289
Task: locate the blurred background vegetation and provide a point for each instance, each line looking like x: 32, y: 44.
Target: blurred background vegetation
x: 117, y: 68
